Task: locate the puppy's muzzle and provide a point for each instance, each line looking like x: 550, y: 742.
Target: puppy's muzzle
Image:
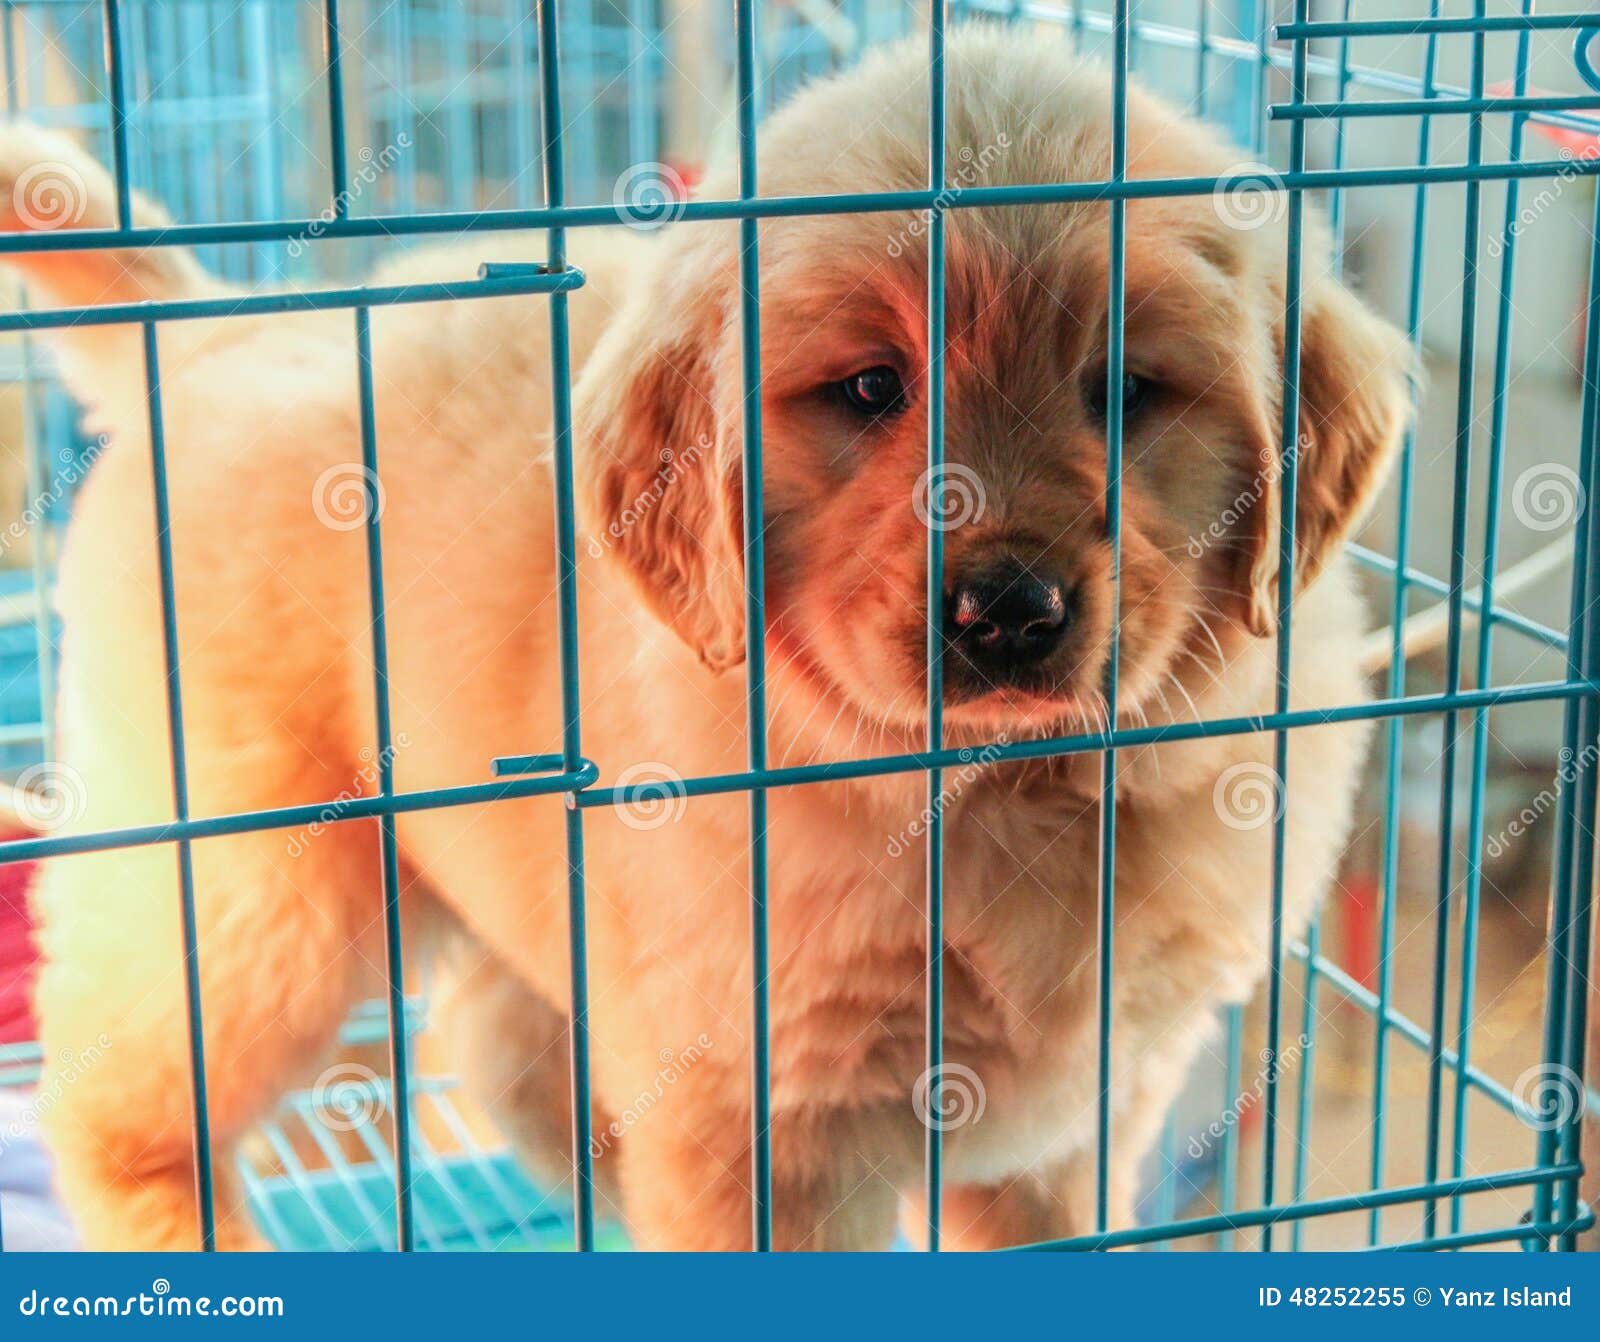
x: 1004, y: 620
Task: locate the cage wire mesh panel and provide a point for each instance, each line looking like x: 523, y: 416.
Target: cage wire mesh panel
x: 1413, y: 1073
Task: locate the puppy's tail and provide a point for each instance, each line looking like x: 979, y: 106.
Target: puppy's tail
x: 48, y: 184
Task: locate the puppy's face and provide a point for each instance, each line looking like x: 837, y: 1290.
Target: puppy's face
x: 1028, y: 601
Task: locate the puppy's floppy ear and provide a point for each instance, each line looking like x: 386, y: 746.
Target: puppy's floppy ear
x: 657, y: 483
x: 1356, y: 396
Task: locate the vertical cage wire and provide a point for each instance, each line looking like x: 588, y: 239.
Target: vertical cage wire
x: 933, y: 1138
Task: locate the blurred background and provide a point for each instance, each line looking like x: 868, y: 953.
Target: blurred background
x: 229, y: 121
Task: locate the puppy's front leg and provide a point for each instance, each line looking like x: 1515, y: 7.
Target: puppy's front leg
x: 686, y: 1176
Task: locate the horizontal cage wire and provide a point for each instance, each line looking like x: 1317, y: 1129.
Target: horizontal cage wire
x: 1411, y: 1073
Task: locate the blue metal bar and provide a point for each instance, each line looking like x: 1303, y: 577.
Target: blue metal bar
x: 1452, y: 676
x: 1394, y: 743
x: 320, y: 300
x: 755, y: 635
x: 388, y: 848
x: 204, y: 1193
x: 1258, y: 52
x: 288, y: 817
x: 579, y: 782
x: 1537, y: 1177
x: 567, y: 623
x: 774, y: 207
x: 1107, y: 904
x: 1290, y: 456
x: 1499, y: 405
x: 1308, y: 1013
x: 1475, y: 106
x: 1047, y: 747
x: 1478, y: 24
x: 508, y: 765
x: 339, y: 168
x: 1414, y: 577
x: 1534, y: 1230
x: 116, y: 76
x: 1262, y: 74
x: 1580, y: 884
x: 933, y: 1136
x: 1359, y: 996
x: 1228, y: 1174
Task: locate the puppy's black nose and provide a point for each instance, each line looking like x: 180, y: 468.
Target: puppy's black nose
x: 1007, y: 616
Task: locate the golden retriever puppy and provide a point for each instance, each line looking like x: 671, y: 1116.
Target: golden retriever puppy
x: 262, y: 412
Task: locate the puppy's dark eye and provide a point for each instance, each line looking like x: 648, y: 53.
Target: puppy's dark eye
x: 874, y: 391
x: 1135, y: 390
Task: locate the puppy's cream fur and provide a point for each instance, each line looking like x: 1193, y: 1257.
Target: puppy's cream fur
x: 277, y: 680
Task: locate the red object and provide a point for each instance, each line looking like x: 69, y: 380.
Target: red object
x: 19, y: 956
x: 1358, y: 918
x: 1578, y: 143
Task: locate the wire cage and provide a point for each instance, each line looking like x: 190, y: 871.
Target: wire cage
x: 1458, y: 189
